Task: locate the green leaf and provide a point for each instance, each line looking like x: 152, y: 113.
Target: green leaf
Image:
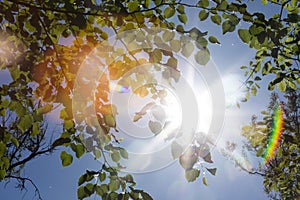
x: 110, y: 120
x: 115, y: 156
x: 292, y: 85
x: 156, y: 56
x: 175, y: 45
x: 180, y: 28
x: 155, y: 127
x: 172, y: 62
x: 66, y: 158
x: 188, y: 159
x: 187, y: 49
x: 15, y: 142
x: 114, y: 185
x: 183, y: 18
x: 158, y: 113
x: 89, y: 189
x: 260, y: 152
x: 245, y: 36
x: 133, y: 6
x: 169, y: 12
x: 137, y: 117
x: 2, y: 149
x: 176, y: 150
x: 180, y: 9
x: 124, y: 153
x: 227, y: 26
x: 204, y: 181
x: 216, y: 19
x: 81, y: 193
x: 202, y: 57
x: 25, y: 123
x: 146, y: 196
x: 253, y: 91
x: 35, y: 128
x: 282, y: 86
x: 68, y: 124
x: 264, y: 2
x: 5, y: 162
x: 191, y: 174
x: 213, y: 40
x: 78, y: 149
x: 147, y: 3
x: 45, y: 109
x: 203, y: 3
x: 63, y: 114
x: 82, y: 179
x: 212, y: 171
x: 203, y: 15
x: 102, y: 176
x: 168, y: 36
x: 128, y: 178
x: 223, y: 5
x: 2, y: 174
x: 97, y: 154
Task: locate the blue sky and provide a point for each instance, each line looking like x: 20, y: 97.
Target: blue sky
x: 56, y: 182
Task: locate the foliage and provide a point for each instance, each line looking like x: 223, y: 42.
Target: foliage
x: 281, y: 175
x: 276, y: 40
x: 44, y: 43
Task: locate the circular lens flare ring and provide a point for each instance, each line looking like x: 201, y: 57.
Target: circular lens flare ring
x: 186, y: 93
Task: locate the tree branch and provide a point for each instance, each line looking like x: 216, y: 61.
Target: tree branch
x: 31, y: 156
x: 103, y: 14
x: 23, y: 180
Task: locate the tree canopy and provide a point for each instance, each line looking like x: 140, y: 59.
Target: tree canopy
x: 44, y: 44
x: 281, y: 176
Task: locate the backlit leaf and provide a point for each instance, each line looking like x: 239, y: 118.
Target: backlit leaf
x: 213, y: 40
x: 176, y: 150
x: 204, y: 181
x: 192, y: 174
x: 216, y: 19
x: 202, y: 57
x: 183, y: 18
x: 203, y: 15
x: 169, y: 12
x: 155, y: 127
x: 244, y: 35
x: 66, y: 158
x: 212, y: 171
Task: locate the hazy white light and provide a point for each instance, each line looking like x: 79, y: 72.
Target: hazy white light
x: 234, y: 90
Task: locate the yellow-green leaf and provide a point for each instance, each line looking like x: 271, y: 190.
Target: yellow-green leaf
x: 202, y: 57
x: 282, y: 86
x: 244, y: 35
x: 183, y: 18
x: 213, y: 40
x: 216, y: 19
x: 45, y: 109
x: 133, y: 6
x: 2, y: 174
x: 204, y: 181
x: 169, y: 12
x: 212, y: 171
x: 66, y: 158
x: 264, y: 2
x: 191, y: 174
x: 25, y: 123
x: 203, y: 15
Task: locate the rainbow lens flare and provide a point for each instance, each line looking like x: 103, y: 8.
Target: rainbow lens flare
x: 119, y: 88
x: 274, y: 140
